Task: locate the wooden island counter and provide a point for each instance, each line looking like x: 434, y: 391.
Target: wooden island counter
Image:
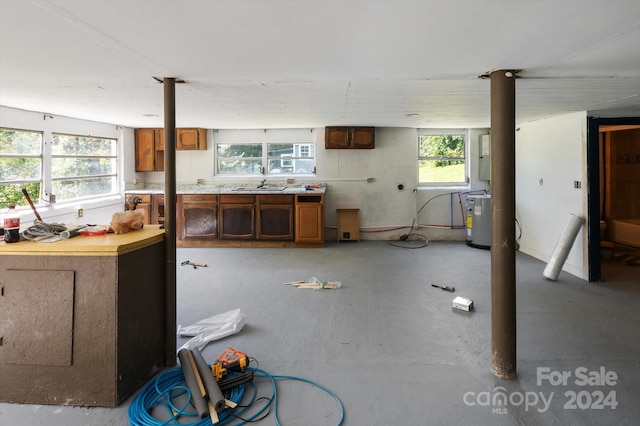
x: 82, y: 320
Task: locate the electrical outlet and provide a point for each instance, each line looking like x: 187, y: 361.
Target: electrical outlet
x: 200, y: 181
x: 80, y: 212
x: 577, y: 184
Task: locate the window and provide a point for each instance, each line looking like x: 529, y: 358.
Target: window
x: 441, y: 158
x: 269, y: 153
x: 239, y: 158
x: 83, y: 166
x: 20, y: 166
x: 73, y: 167
x: 290, y: 158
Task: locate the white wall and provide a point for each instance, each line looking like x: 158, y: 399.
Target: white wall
x: 554, y: 151
x: 95, y: 211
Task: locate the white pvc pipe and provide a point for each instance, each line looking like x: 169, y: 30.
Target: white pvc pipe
x: 563, y: 247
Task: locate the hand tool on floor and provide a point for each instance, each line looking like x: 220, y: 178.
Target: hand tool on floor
x: 195, y: 265
x: 233, y: 359
x: 446, y: 288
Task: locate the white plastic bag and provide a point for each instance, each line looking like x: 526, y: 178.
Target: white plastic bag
x: 212, y: 328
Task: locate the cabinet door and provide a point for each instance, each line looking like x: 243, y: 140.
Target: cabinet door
x: 237, y: 221
x: 191, y: 139
x: 197, y: 217
x: 336, y: 138
x: 309, y: 223
x: 145, y: 150
x: 157, y: 209
x: 159, y: 147
x: 275, y: 222
x: 363, y: 138
x: 159, y: 142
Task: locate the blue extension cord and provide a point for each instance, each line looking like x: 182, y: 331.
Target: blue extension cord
x: 170, y: 385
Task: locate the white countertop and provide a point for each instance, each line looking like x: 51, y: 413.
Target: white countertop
x: 211, y: 189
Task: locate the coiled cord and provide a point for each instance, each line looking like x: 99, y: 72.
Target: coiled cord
x: 169, y: 387
x: 42, y: 230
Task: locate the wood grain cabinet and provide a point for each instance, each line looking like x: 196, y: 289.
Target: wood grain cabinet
x: 191, y: 139
x: 275, y: 217
x: 237, y: 217
x: 149, y: 150
x: 309, y: 219
x: 340, y: 137
x: 197, y: 217
x: 157, y: 209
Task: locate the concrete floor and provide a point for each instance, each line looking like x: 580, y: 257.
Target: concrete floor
x: 392, y: 349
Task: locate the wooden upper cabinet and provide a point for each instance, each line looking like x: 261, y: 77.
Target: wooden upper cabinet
x: 159, y: 139
x: 339, y: 137
x: 191, y: 139
x: 336, y: 138
x: 145, y: 150
x: 363, y: 137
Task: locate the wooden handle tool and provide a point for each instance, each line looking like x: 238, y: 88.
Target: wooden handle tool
x: 446, y: 288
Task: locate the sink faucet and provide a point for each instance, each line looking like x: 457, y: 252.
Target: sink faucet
x: 262, y: 183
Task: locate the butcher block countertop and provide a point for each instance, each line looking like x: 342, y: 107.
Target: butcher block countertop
x: 99, y: 245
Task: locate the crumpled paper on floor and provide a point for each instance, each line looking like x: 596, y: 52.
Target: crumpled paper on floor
x: 212, y: 328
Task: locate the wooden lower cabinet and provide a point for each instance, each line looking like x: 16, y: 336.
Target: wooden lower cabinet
x: 245, y: 217
x: 275, y: 217
x: 309, y: 219
x: 157, y: 209
x: 237, y: 217
x: 197, y: 217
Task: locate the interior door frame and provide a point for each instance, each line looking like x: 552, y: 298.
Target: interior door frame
x: 593, y: 187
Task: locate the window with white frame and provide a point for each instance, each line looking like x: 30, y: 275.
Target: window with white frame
x: 239, y: 158
x: 442, y: 157
x: 267, y: 153
x: 83, y: 166
x: 290, y: 158
x: 20, y: 166
x: 74, y: 167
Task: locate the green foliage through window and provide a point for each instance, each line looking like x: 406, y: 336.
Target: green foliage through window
x: 20, y: 166
x: 442, y: 159
x: 80, y: 166
x: 83, y: 166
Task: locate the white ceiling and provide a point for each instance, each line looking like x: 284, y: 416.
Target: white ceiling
x: 303, y: 63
